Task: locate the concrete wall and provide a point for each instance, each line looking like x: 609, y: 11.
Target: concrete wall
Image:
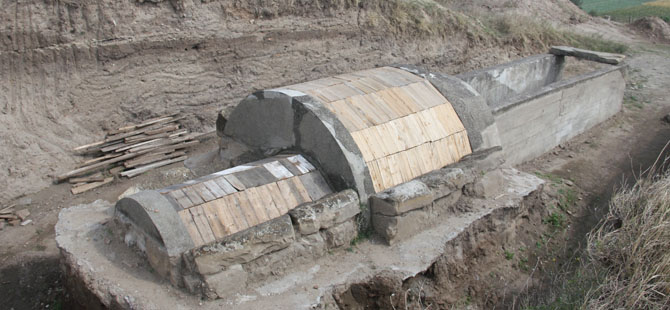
x: 499, y: 83
x: 532, y: 124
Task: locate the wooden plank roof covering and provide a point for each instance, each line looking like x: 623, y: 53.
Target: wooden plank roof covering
x: 403, y: 126
x: 223, y: 203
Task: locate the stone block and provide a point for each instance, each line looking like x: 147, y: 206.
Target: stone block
x: 305, y: 250
x: 488, y: 186
x: 193, y: 284
x: 341, y: 234
x: 227, y: 282
x: 444, y: 181
x: 401, y: 198
x: 326, y: 212
x: 245, y: 246
x: 394, y: 228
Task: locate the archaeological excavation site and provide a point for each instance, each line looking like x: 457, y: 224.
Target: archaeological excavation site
x: 399, y: 157
x: 327, y: 154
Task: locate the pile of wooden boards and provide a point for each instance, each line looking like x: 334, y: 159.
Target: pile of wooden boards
x: 130, y: 151
x: 14, y: 218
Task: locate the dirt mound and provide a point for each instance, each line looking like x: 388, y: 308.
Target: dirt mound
x: 654, y: 28
x: 69, y: 70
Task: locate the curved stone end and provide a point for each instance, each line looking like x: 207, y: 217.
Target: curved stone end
x: 156, y: 216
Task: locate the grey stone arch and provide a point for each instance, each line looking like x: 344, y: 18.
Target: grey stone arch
x: 286, y: 119
x: 166, y: 237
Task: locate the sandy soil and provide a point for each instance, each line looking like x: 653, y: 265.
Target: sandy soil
x: 70, y: 69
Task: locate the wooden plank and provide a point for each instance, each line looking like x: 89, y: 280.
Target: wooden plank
x: 287, y: 193
x: 267, y: 202
x: 235, y: 182
x: 401, y: 96
x: 278, y: 170
x: 160, y: 142
x: 228, y: 211
x: 193, y: 196
x: 225, y: 185
x: 369, y: 136
x: 411, y: 155
x: 215, y: 223
x: 214, y: 188
x: 315, y: 185
x: 394, y: 167
x: 87, y: 146
x: 188, y: 221
x: 152, y: 158
x: 98, y: 159
x: 347, y: 116
x: 375, y: 175
x: 235, y: 210
x: 255, y: 177
x: 225, y: 216
x: 202, y: 224
x: 164, y: 129
x: 385, y: 173
x: 301, y: 162
x: 97, y: 177
x: 181, y: 198
x: 148, y: 122
x: 403, y: 166
x: 393, y: 135
x: 143, y: 169
x: 299, y: 189
x: 248, y: 210
x: 279, y: 201
x: 388, y: 139
x: 96, y: 166
x: 203, y: 191
x: 145, y: 143
x: 86, y: 187
x: 362, y: 145
x: 381, y: 113
x: 262, y: 211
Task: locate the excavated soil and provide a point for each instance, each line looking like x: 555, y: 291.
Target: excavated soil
x: 71, y: 69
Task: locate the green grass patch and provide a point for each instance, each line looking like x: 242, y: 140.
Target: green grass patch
x: 555, y: 220
x: 634, y: 13
x: 602, y: 6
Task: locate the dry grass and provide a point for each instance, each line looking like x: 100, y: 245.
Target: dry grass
x: 633, y: 247
x: 529, y: 34
x: 662, y: 3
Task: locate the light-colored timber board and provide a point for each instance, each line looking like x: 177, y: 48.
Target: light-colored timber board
x: 188, y: 221
x: 209, y: 209
x: 202, y: 223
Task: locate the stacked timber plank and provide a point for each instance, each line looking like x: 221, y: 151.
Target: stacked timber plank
x: 130, y: 151
x: 13, y: 217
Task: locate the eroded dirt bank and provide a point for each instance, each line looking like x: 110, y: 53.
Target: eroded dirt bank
x: 71, y: 69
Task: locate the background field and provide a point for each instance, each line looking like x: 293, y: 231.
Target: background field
x: 628, y: 10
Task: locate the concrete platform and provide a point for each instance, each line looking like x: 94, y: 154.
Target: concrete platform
x: 102, y: 271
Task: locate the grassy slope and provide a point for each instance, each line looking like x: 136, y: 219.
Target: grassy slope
x: 640, y: 11
x: 602, y: 6
x: 628, y: 10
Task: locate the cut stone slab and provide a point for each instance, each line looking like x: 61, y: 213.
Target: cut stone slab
x: 487, y: 186
x: 231, y: 280
x: 444, y: 181
x: 608, y: 58
x: 326, y: 212
x: 401, y: 199
x: 245, y: 246
x: 341, y: 234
